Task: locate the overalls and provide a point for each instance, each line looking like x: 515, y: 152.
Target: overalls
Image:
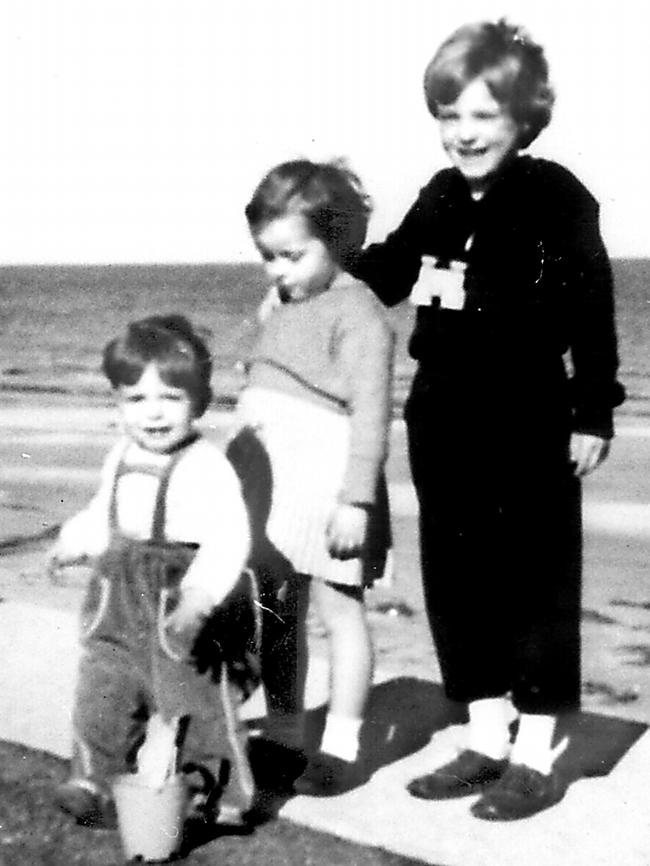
x: 132, y: 666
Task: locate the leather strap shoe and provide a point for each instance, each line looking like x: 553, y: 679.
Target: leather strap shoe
x: 467, y: 773
x: 327, y: 775
x: 519, y: 793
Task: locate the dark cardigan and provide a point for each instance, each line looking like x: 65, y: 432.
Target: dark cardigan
x: 538, y: 285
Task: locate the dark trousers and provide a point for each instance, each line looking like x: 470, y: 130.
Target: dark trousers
x: 500, y: 537
x: 131, y: 668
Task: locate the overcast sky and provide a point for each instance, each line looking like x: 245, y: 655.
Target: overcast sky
x: 135, y: 130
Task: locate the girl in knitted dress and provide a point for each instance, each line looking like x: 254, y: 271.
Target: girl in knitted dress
x: 318, y: 402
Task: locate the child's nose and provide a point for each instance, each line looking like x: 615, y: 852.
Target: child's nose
x: 275, y: 269
x: 154, y: 408
x: 466, y: 129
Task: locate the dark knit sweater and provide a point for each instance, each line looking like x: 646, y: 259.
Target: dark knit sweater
x: 538, y: 286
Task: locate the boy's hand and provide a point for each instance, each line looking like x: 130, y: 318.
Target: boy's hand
x: 587, y: 452
x: 346, y: 532
x: 195, y: 604
x: 58, y: 558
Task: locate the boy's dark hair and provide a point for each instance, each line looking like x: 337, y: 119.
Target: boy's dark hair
x: 170, y: 342
x: 511, y: 64
x: 327, y: 194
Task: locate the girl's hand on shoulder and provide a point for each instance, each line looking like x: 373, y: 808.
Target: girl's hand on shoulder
x: 587, y: 452
x: 346, y: 532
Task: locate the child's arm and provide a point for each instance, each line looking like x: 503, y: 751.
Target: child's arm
x: 592, y: 335
x: 86, y: 534
x: 222, y: 531
x: 391, y: 268
x: 592, y: 332
x: 366, y: 349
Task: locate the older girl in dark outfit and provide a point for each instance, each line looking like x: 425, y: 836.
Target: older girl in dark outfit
x: 503, y: 257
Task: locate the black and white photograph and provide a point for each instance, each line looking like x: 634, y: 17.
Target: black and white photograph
x: 324, y: 433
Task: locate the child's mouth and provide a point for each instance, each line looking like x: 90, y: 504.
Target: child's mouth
x: 472, y: 154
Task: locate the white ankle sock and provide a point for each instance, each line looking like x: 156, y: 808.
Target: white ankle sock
x: 532, y: 746
x: 488, y: 727
x: 341, y: 737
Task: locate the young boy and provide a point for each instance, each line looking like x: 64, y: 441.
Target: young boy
x: 169, y: 536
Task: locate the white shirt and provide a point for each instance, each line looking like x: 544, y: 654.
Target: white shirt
x: 204, y: 505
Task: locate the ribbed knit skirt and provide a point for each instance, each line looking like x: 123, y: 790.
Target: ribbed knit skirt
x: 307, y: 446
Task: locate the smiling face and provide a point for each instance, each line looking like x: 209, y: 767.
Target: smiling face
x: 478, y: 134
x: 157, y: 416
x: 298, y: 263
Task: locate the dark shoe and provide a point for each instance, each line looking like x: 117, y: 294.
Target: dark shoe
x: 468, y: 772
x: 275, y: 766
x: 519, y: 793
x: 88, y: 808
x: 326, y: 776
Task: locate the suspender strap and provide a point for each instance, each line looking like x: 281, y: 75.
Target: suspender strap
x: 159, y: 512
x: 163, y: 474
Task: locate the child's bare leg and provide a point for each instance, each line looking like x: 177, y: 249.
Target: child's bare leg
x: 343, y: 615
x: 335, y: 768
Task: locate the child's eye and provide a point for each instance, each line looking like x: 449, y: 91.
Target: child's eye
x: 294, y: 255
x: 133, y: 398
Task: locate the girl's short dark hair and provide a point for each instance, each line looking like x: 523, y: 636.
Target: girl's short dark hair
x: 327, y: 194
x: 169, y: 342
x: 506, y: 58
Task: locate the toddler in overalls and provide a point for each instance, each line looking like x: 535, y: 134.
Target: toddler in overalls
x: 168, y: 621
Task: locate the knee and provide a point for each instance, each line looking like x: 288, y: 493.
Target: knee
x: 340, y: 608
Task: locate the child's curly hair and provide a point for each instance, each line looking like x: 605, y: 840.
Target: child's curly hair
x: 328, y: 194
x: 171, y: 343
x: 506, y: 58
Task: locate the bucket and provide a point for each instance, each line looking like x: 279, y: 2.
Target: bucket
x: 150, y: 820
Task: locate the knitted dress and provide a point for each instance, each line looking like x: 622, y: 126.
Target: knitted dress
x: 318, y: 403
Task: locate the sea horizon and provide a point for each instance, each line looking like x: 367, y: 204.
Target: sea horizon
x: 56, y: 318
